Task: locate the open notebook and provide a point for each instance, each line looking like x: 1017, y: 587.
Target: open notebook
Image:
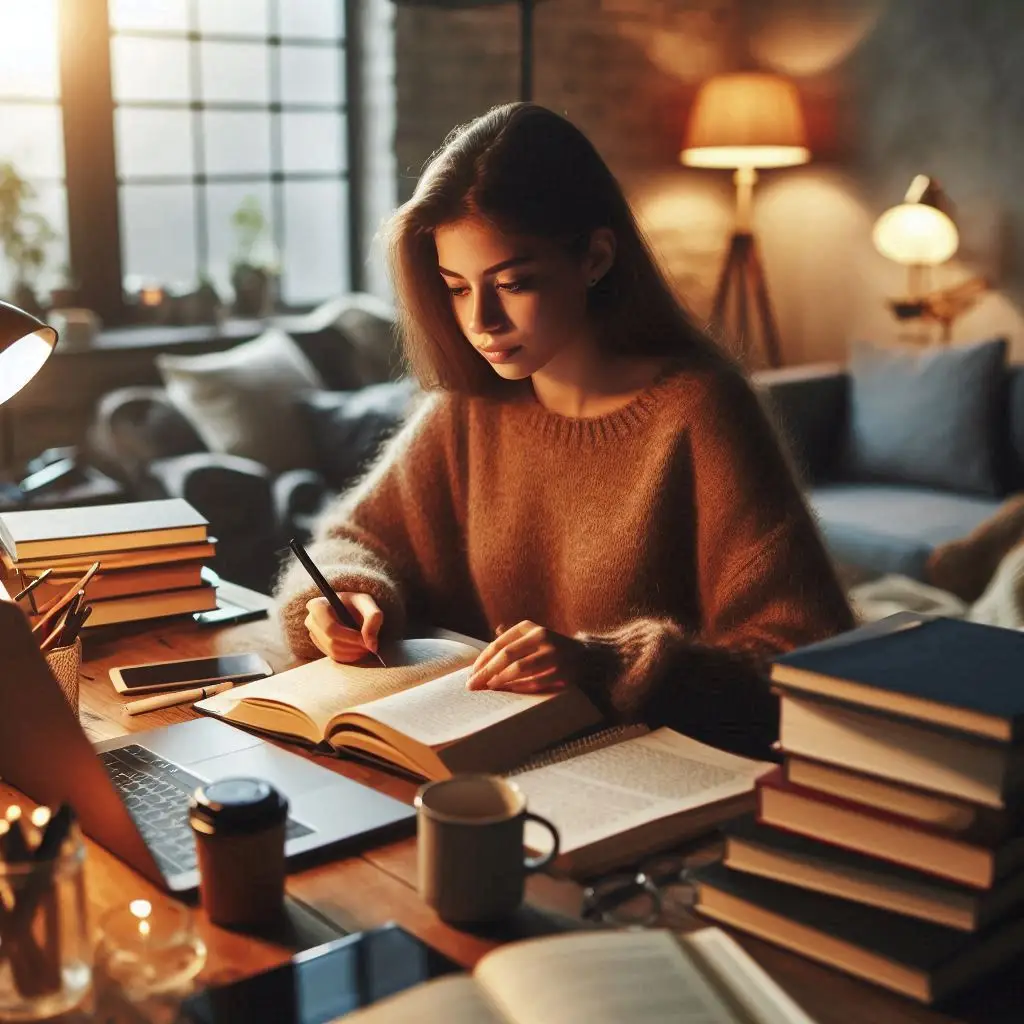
x: 645, y: 977
x: 415, y: 714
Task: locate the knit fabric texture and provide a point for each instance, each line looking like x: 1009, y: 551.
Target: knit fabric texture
x: 669, y: 536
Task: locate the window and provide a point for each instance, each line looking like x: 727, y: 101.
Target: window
x: 32, y: 137
x: 210, y: 104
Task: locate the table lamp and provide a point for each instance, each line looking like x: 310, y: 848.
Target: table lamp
x: 920, y: 234
x: 25, y: 344
x: 746, y: 120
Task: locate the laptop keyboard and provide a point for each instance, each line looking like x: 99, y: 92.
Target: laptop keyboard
x: 156, y: 793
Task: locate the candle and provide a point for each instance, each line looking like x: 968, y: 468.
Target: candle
x: 150, y: 948
x: 151, y: 295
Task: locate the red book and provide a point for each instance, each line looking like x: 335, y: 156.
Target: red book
x: 883, y: 834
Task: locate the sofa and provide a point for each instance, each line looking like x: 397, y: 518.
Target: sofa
x: 196, y: 437
x: 884, y: 520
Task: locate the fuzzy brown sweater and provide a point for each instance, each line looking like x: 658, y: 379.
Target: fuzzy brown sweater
x: 669, y: 536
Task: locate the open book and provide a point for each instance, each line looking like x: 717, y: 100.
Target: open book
x: 415, y: 714
x: 627, y: 793
x: 645, y: 977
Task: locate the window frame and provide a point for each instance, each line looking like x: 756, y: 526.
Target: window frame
x: 91, y: 176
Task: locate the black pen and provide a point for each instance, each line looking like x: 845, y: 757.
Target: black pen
x: 341, y: 613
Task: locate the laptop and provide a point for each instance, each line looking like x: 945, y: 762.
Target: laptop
x: 131, y: 794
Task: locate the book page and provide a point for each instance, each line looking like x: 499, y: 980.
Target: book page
x: 325, y: 688
x: 454, y: 999
x: 604, y: 792
x: 600, y: 978
x: 443, y: 710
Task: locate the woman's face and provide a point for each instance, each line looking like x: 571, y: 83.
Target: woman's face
x: 519, y: 302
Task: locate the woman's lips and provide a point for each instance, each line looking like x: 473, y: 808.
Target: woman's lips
x: 500, y: 355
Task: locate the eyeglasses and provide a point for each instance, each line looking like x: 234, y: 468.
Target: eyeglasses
x: 660, y: 891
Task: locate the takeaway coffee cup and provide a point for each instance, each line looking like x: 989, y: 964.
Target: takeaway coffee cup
x: 239, y: 827
x: 472, y: 866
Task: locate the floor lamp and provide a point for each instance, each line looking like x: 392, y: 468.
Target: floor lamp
x: 526, y: 8
x: 746, y: 121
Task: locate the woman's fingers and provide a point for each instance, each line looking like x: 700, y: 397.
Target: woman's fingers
x: 367, y: 611
x: 517, y: 653
x: 364, y: 610
x: 340, y: 643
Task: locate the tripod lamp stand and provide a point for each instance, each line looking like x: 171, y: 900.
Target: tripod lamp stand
x: 745, y: 121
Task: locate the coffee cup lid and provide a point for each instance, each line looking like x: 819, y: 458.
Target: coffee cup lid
x: 237, y: 804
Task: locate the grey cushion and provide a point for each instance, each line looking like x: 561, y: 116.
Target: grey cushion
x: 881, y: 529
x: 347, y: 428
x: 927, y: 415
x: 242, y: 401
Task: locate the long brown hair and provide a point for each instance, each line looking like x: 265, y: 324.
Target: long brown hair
x: 531, y: 173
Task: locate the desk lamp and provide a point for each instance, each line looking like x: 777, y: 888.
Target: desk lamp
x: 920, y: 234
x: 746, y: 120
x: 25, y: 344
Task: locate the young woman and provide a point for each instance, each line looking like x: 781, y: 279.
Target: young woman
x: 588, y: 479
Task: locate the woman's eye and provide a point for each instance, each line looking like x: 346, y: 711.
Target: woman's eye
x: 514, y: 286
x: 458, y: 290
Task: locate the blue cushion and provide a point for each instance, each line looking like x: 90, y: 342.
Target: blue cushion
x: 927, y: 416
x: 884, y: 529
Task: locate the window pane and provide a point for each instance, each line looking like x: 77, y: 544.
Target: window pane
x: 235, y: 71
x: 310, y: 74
x: 310, y: 19
x: 315, y: 241
x: 150, y: 69
x: 28, y: 34
x: 51, y: 202
x: 32, y: 139
x: 169, y: 15
x: 154, y: 142
x: 239, y: 17
x: 221, y: 203
x: 158, y: 233
x: 312, y: 142
x: 236, y: 143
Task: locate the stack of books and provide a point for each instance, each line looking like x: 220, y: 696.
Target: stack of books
x: 151, y: 556
x: 889, y: 844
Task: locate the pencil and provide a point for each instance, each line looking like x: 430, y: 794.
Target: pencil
x: 341, y: 613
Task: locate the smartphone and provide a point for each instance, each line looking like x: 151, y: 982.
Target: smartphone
x: 322, y: 983
x: 226, y: 614
x: 188, y: 672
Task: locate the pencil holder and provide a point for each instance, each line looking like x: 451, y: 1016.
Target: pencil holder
x: 45, y: 955
x: 64, y: 663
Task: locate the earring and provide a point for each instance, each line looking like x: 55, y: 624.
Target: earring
x: 593, y: 281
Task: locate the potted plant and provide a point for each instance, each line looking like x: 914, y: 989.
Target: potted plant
x: 252, y: 275
x: 25, y: 235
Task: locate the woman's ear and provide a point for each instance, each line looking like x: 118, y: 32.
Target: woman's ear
x: 600, y: 255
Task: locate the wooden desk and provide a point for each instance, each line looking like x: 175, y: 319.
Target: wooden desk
x: 380, y: 884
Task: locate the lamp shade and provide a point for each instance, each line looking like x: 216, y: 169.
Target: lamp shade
x: 918, y: 232
x: 746, y: 119
x: 25, y: 344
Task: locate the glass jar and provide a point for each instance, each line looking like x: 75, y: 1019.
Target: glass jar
x: 45, y: 953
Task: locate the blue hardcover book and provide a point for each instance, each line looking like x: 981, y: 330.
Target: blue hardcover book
x: 942, y: 672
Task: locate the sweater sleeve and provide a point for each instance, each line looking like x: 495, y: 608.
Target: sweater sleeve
x: 765, y: 584
x: 390, y: 533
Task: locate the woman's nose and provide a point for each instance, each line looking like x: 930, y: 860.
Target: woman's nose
x: 487, y: 314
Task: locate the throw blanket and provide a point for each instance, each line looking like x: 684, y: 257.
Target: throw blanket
x: 1001, y: 604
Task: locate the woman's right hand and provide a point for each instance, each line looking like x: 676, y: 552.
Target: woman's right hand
x: 340, y: 642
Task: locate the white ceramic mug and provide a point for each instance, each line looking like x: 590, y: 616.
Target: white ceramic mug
x: 471, y: 862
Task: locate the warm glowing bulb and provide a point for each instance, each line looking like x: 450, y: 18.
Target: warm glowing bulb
x: 41, y: 817
x: 144, y: 928
x: 915, y: 234
x: 20, y: 362
x: 140, y: 908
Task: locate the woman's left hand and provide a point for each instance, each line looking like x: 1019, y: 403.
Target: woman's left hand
x: 527, y: 658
